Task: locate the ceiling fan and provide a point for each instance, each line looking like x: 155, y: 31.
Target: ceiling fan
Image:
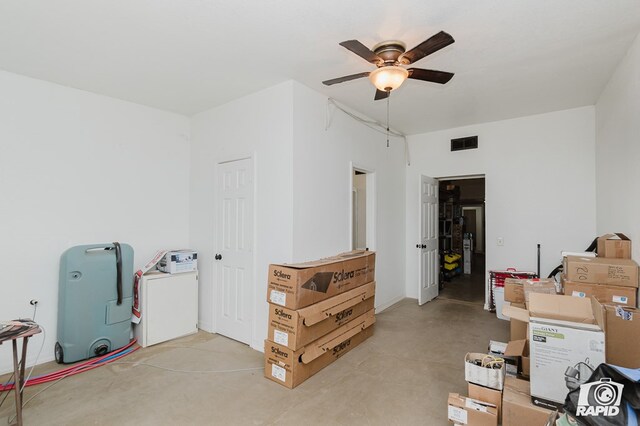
x: 388, y: 56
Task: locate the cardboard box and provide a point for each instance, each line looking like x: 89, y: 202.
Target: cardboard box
x: 489, y: 395
x: 621, y: 272
x: 562, y: 308
x: 614, y: 246
x: 563, y: 338
x: 519, y: 320
x: 290, y: 368
x: 296, y: 328
x: 511, y: 362
x: 520, y: 349
x: 518, y: 290
x: 483, y: 376
x: 603, y: 292
x: 296, y: 286
x: 468, y: 411
x: 622, y: 334
x: 178, y: 261
x: 517, y: 409
x: 513, y: 290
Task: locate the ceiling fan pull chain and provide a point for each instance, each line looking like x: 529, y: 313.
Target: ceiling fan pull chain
x: 388, y: 97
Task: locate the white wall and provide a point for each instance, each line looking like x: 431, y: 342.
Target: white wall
x: 540, y: 185
x: 79, y: 168
x: 618, y: 151
x: 258, y: 125
x: 322, y: 189
x: 303, y: 188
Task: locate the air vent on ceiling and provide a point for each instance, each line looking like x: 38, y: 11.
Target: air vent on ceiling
x: 460, y: 144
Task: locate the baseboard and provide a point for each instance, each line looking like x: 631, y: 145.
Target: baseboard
x: 205, y: 326
x: 7, y: 369
x: 259, y: 347
x: 388, y: 304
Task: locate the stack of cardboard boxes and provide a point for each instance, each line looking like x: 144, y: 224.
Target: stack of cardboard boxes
x: 318, y: 311
x: 558, y: 340
x: 612, y: 277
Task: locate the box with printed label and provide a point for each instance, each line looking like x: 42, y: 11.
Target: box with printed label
x: 467, y: 411
x: 603, y: 292
x: 482, y: 370
x: 178, y: 261
x: 566, y: 344
x: 290, y: 368
x: 296, y: 328
x: 598, y: 270
x: 622, y: 333
x: 614, y: 245
x: 296, y: 286
x: 517, y: 409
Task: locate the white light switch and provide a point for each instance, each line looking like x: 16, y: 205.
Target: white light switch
x: 500, y: 241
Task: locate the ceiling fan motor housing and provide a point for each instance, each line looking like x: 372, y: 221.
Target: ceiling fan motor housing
x: 390, y: 52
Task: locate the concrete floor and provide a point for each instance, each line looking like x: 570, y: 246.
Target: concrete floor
x: 400, y: 376
x: 468, y: 288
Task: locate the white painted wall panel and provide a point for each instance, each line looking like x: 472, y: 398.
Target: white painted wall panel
x: 540, y: 185
x: 79, y: 168
x: 618, y: 151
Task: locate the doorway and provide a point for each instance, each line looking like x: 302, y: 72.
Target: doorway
x: 462, y: 238
x: 362, y: 184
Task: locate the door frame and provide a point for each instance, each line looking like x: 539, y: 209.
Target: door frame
x: 371, y: 203
x: 486, y: 228
x: 479, y: 220
x: 214, y: 284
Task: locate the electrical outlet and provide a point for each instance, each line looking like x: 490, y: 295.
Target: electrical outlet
x: 500, y: 241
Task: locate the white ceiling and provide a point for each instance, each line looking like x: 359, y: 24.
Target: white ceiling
x: 511, y: 58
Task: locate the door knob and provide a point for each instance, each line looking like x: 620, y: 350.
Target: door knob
x: 424, y: 246
x: 417, y: 245
x: 218, y: 257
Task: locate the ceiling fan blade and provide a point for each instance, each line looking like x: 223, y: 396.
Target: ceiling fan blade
x: 430, y: 75
x: 361, y: 50
x: 428, y: 47
x: 345, y: 78
x: 380, y: 94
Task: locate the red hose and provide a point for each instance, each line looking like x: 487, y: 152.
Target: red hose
x: 76, y: 369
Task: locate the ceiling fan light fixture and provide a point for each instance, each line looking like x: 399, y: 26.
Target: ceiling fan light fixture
x: 388, y: 78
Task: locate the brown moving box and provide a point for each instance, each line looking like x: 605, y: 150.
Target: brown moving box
x: 294, y: 329
x: 603, y: 292
x: 468, y: 411
x: 299, y: 285
x: 559, y: 307
x: 517, y: 409
x: 622, y: 333
x: 518, y: 290
x: 519, y: 320
x: 290, y: 368
x: 520, y: 349
x: 489, y: 395
x: 614, y: 245
x: 598, y: 270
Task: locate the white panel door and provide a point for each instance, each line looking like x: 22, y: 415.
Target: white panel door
x: 234, y: 257
x: 429, y: 264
